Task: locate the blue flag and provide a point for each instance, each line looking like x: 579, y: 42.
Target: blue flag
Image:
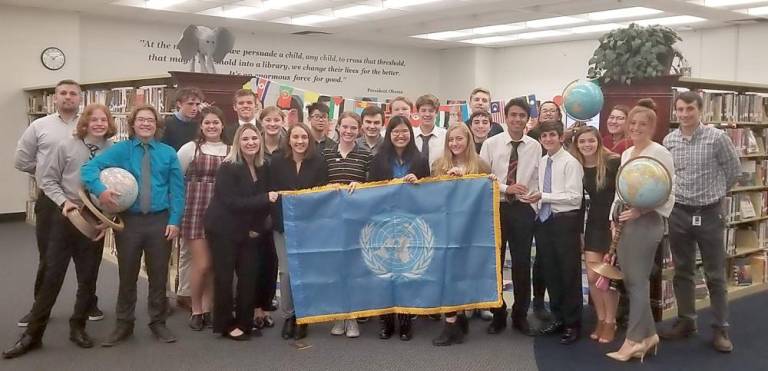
x: 393, y: 247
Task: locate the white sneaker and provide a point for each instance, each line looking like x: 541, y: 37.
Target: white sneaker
x: 352, y: 329
x: 486, y: 315
x: 338, y: 328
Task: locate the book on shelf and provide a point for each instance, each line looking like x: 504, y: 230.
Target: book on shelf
x: 759, y: 266
x: 727, y: 106
x: 741, y: 272
x: 745, y: 141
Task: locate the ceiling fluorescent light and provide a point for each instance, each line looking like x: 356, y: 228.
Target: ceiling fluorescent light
x: 541, y: 34
x: 356, y: 10
x: 449, y: 35
x: 161, y: 4
x: 763, y: 10
x: 278, y: 4
x: 240, y: 11
x: 719, y: 3
x: 491, y: 40
x: 498, y: 28
x: 637, y: 11
x: 309, y: 20
x: 553, y: 22
x: 405, y: 3
x: 668, y: 21
x: 596, y: 28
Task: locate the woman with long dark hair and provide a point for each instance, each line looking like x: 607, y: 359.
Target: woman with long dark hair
x: 398, y: 158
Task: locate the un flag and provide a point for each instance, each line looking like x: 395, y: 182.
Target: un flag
x: 394, y: 247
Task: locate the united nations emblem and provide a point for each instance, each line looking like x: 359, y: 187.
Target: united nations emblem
x: 397, y: 246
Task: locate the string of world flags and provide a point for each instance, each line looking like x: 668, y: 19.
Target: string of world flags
x: 288, y: 97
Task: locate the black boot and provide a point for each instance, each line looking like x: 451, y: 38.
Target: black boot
x: 289, y: 327
x: 301, y: 332
x: 463, y: 323
x: 452, y: 334
x: 78, y: 336
x: 387, y: 323
x: 406, y: 331
x: 122, y: 331
x: 22, y: 346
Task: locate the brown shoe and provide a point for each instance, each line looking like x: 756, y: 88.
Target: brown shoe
x: 682, y: 328
x: 598, y: 330
x: 184, y: 302
x: 722, y: 342
x: 607, y: 333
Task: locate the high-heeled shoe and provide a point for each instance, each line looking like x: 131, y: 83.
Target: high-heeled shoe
x: 634, y: 350
x: 598, y: 330
x: 607, y: 333
x: 651, y: 342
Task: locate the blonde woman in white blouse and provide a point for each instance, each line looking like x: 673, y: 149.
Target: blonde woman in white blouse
x: 641, y: 234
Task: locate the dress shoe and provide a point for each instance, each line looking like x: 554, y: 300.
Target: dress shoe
x: 628, y: 351
x: 387, y: 323
x: 23, y: 345
x: 682, y: 328
x: 162, y: 333
x: 554, y: 327
x: 406, y: 329
x: 289, y: 328
x: 522, y: 326
x: 452, y: 334
x: 496, y: 327
x: 121, y: 332
x: 24, y: 321
x: 721, y: 341
x: 242, y: 336
x: 570, y: 335
x: 301, y: 332
x: 208, y: 320
x: 196, y: 322
x: 80, y: 338
x: 184, y: 302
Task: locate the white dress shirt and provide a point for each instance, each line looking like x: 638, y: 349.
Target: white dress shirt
x: 496, y: 150
x: 567, y: 182
x: 436, y: 143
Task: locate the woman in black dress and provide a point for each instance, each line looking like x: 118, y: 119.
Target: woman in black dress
x: 600, y: 168
x: 235, y: 226
x: 296, y: 166
x: 397, y: 158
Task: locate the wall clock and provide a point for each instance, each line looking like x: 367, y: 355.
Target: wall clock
x: 52, y: 58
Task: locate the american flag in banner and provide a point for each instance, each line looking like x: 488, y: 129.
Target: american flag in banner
x: 497, y: 111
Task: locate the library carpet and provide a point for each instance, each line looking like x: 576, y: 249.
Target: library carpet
x: 204, y: 351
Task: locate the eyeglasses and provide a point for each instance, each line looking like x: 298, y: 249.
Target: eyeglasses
x: 319, y: 117
x: 400, y: 133
x: 148, y: 120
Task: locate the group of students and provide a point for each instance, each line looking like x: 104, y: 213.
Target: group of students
x: 217, y: 187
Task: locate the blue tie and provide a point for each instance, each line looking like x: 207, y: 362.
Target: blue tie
x: 546, y: 209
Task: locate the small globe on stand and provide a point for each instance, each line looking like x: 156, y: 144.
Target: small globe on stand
x: 582, y: 100
x: 122, y: 182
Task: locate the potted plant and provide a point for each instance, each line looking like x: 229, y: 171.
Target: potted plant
x: 632, y: 53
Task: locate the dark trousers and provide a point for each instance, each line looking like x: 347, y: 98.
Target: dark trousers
x: 266, y: 283
x: 234, y: 256
x: 539, y: 284
x: 683, y: 238
x: 517, y: 224
x: 45, y: 209
x: 557, y: 242
x: 143, y: 234
x: 66, y: 243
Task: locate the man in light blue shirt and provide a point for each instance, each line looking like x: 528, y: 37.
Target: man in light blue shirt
x: 150, y: 223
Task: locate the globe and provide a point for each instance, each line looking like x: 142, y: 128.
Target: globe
x: 643, y: 182
x: 122, y: 182
x: 582, y: 100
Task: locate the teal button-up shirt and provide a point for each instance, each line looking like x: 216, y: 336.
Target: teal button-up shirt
x: 167, y: 180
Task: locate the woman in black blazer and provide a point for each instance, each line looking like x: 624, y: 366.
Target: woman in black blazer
x: 398, y: 157
x: 235, y: 227
x: 297, y: 166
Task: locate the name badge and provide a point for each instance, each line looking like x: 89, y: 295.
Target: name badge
x: 696, y: 221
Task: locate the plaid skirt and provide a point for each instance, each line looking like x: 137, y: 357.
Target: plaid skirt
x: 200, y: 178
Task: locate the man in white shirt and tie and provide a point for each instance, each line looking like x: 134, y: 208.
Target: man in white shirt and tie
x: 429, y: 138
x: 514, y: 159
x: 557, y: 231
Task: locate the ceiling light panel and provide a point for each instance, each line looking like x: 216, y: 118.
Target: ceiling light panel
x: 501, y: 28
x: 491, y: 40
x: 553, y: 22
x: 596, y: 28
x: 722, y: 3
x: 633, y: 12
x: 281, y: 4
x: 311, y: 19
x: 406, y: 3
x: 356, y: 10
x: 161, y: 4
x: 670, y: 21
x: 763, y: 10
x: 541, y: 34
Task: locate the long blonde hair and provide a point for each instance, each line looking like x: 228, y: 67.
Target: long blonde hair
x: 235, y: 156
x: 602, y: 154
x: 472, y: 163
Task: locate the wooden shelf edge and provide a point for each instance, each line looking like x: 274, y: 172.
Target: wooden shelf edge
x: 697, y: 83
x: 747, y: 221
x: 748, y: 189
x: 126, y: 81
x: 734, y: 292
